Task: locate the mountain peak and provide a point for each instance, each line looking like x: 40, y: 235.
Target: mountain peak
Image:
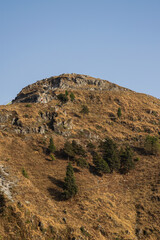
x: 43, y: 90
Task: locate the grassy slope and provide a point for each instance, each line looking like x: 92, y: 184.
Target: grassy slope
x: 108, y: 207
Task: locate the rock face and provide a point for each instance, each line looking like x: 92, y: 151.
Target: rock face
x: 44, y: 91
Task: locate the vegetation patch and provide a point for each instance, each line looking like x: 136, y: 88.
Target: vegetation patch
x: 152, y: 145
x: 70, y: 150
x: 84, y: 110
x: 62, y: 97
x: 70, y: 187
x: 24, y: 173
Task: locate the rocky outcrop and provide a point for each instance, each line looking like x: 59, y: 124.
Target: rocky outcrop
x: 44, y: 91
x: 5, y: 115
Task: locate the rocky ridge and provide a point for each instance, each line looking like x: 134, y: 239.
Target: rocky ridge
x: 43, y: 91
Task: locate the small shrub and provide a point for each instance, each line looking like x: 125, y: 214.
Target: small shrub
x: 72, y: 96
x: 84, y: 232
x: 91, y: 146
x: 98, y: 126
x: 2, y: 203
x: 62, y: 97
x: 119, y: 113
x: 70, y: 187
x: 137, y: 159
x: 84, y: 109
x: 28, y: 105
x: 52, y: 157
x: 112, y: 116
x: 51, y: 146
x: 66, y: 93
x: 26, y: 116
x: 24, y: 173
x: 152, y: 145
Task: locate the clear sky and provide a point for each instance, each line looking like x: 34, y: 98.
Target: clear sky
x: 116, y: 40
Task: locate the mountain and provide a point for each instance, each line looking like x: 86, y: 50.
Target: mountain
x: 80, y: 113
x: 43, y: 91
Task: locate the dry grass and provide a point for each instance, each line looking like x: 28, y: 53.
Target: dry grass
x: 110, y: 207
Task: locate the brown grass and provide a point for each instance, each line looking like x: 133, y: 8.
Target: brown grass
x: 110, y: 207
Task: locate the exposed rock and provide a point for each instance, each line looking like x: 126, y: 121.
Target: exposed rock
x: 62, y: 126
x: 44, y: 91
x: 6, y: 184
x: 7, y: 115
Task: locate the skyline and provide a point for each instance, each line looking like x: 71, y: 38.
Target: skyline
x: 117, y: 41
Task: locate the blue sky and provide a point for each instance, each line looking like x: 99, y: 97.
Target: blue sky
x: 116, y: 40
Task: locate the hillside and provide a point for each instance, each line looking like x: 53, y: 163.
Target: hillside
x: 107, y: 206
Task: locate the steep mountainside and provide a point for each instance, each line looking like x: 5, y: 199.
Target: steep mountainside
x: 108, y: 205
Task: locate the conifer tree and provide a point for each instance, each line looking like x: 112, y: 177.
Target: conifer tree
x: 100, y: 164
x: 152, y: 145
x: 126, y: 158
x: 51, y: 146
x: 66, y: 93
x: 110, y: 154
x: 72, y: 97
x: 70, y: 187
x: 119, y: 113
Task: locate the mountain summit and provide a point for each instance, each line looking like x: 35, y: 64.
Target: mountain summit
x: 43, y: 90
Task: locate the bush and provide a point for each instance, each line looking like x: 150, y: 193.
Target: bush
x: 100, y: 164
x: 136, y: 159
x: 28, y: 105
x: 110, y: 154
x: 62, y: 97
x: 2, y: 203
x: 152, y: 145
x: 66, y: 93
x: 84, y: 109
x: 52, y: 157
x: 119, y: 113
x: 126, y: 158
x: 51, y: 146
x: 70, y: 187
x: 72, y: 96
x: 81, y: 162
x: 24, y: 173
x: 90, y: 146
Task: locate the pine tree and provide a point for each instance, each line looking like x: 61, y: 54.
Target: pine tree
x: 62, y: 97
x: 51, y: 146
x: 100, y: 164
x: 66, y: 93
x: 110, y: 154
x: 126, y: 158
x: 152, y: 145
x: 68, y: 150
x: 72, y: 97
x: 70, y: 187
x: 119, y: 113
